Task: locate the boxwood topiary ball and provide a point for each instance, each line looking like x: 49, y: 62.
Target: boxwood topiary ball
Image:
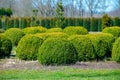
x: 57, y: 51
x: 115, y: 31
x: 83, y: 46
x: 71, y: 30
x: 14, y: 34
x: 54, y: 30
x: 102, y: 43
x: 116, y: 50
x: 34, y: 30
x: 27, y: 48
x: 5, y: 46
x: 52, y: 35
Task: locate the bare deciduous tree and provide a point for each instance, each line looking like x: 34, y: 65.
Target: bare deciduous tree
x: 92, y: 6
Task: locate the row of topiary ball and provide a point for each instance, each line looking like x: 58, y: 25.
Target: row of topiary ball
x: 52, y: 46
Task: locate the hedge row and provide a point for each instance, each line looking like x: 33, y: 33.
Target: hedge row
x: 91, y: 24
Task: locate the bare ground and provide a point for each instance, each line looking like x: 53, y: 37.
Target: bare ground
x: 9, y: 64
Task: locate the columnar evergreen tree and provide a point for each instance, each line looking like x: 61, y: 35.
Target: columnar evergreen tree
x: 106, y: 21
x: 60, y: 14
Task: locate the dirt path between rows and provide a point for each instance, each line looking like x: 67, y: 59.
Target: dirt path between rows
x: 8, y: 64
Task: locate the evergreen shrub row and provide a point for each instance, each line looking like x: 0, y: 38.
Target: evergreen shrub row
x: 91, y: 24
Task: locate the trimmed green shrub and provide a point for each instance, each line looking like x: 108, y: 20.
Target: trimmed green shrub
x: 115, y: 31
x: 116, y: 50
x: 106, y: 21
x: 84, y: 47
x: 14, y: 34
x: 44, y: 36
x: 27, y: 48
x: 71, y: 30
x: 34, y: 30
x: 5, y: 46
x: 102, y: 43
x: 54, y: 30
x: 57, y: 51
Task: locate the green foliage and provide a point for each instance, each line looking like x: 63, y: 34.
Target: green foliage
x: 116, y: 50
x: 23, y: 23
x: 5, y: 12
x: 84, y: 47
x: 78, y: 21
x: 102, y: 43
x: 34, y: 30
x: 10, y: 23
x: 71, y: 30
x: 5, y: 22
x: 54, y: 30
x: 27, y: 48
x: 70, y: 22
x: 52, y: 22
x: 16, y: 22
x: 94, y: 24
x: 14, y: 34
x: 115, y: 31
x: 86, y: 23
x: 91, y: 24
x: 44, y: 36
x: 106, y: 21
x: 99, y: 24
x: 116, y: 21
x: 5, y: 46
x: 57, y: 51
x: 9, y: 12
x: 46, y: 22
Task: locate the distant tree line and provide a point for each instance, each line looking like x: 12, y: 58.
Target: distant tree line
x: 72, y: 8
x: 91, y: 24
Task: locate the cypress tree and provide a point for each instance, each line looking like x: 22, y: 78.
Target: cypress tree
x: 60, y: 14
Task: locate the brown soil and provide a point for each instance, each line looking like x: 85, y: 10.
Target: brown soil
x: 8, y: 64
